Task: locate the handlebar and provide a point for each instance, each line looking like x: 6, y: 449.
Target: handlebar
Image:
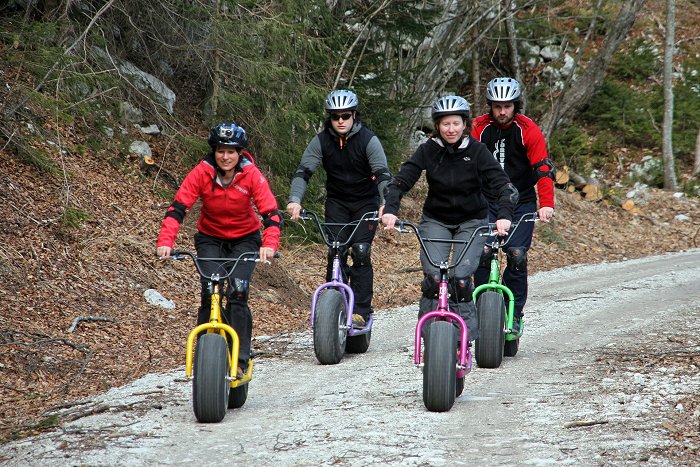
x: 502, y: 241
x: 324, y: 227
x: 401, y: 226
x: 226, y: 265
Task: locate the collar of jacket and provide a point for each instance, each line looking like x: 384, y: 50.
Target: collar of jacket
x: 452, y: 148
x: 342, y: 140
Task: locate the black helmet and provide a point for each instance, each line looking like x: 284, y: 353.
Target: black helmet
x: 341, y: 100
x: 450, y: 105
x: 227, y: 134
x: 503, y: 90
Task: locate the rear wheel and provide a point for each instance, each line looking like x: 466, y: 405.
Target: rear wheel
x: 490, y: 309
x: 511, y: 348
x: 237, y: 396
x: 210, y: 388
x: 440, y: 367
x: 460, y: 386
x: 358, y: 344
x: 330, y: 327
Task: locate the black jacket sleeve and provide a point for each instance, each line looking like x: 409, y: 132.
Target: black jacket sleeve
x: 402, y: 182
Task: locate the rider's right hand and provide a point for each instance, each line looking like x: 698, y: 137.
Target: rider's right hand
x: 389, y: 221
x: 163, y: 252
x: 294, y: 210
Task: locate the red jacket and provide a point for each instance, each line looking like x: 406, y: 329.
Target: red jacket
x: 227, y: 213
x: 518, y: 147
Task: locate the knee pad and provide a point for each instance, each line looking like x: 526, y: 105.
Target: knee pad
x: 361, y: 254
x: 486, y: 257
x: 461, y: 288
x: 238, y: 289
x: 517, y: 259
x: 430, y: 286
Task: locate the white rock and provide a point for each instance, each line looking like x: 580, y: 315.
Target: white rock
x: 154, y: 297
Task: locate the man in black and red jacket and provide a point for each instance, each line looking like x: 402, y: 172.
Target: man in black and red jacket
x: 519, y: 146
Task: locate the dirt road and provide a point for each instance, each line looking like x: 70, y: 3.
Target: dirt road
x: 557, y: 402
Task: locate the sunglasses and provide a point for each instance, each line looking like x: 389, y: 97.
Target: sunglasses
x: 336, y: 117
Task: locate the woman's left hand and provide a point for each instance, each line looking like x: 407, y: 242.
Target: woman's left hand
x: 266, y: 254
x: 502, y: 226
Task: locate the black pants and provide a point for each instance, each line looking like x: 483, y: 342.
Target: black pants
x: 516, y: 281
x: 360, y: 277
x: 236, y: 312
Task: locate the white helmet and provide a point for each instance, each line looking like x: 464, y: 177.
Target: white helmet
x: 450, y: 105
x: 503, y: 90
x: 341, y: 100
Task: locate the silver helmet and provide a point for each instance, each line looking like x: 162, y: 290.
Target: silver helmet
x: 450, y: 105
x: 341, y: 100
x: 503, y: 90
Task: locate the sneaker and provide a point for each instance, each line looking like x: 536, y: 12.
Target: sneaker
x: 517, y: 325
x: 358, y: 321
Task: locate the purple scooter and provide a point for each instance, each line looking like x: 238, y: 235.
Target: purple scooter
x: 333, y: 302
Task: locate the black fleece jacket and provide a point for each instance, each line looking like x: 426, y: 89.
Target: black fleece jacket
x: 457, y: 175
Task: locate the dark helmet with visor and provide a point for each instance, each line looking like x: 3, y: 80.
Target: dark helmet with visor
x: 228, y: 134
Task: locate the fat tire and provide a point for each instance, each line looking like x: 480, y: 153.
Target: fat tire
x: 358, y: 344
x: 440, y: 367
x: 330, y: 334
x: 237, y: 396
x: 210, y: 388
x: 460, y: 386
x: 510, y: 349
x: 490, y: 309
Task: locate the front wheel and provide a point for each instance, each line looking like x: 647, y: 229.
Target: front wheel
x: 440, y: 367
x: 330, y: 327
x: 490, y: 308
x: 210, y: 388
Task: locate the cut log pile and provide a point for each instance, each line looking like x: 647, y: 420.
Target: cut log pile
x: 590, y: 189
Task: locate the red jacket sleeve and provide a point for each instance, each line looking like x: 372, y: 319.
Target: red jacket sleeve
x: 537, y: 151
x: 186, y: 196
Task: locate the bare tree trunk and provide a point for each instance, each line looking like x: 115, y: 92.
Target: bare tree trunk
x: 216, y: 79
x: 476, y: 80
x: 578, y: 96
x: 511, y: 9
x: 696, y: 167
x: 669, y: 167
x: 439, y: 59
x: 556, y: 107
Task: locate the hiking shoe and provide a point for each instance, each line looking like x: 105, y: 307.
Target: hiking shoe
x: 517, y: 325
x: 358, y: 321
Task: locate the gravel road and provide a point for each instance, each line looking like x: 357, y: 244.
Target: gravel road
x: 555, y: 403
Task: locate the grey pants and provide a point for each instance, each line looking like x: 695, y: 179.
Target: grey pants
x: 439, y: 251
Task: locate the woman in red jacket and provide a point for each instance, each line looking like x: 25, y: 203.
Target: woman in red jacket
x: 229, y: 183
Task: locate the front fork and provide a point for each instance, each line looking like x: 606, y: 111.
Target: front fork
x: 494, y: 284
x: 215, y: 325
